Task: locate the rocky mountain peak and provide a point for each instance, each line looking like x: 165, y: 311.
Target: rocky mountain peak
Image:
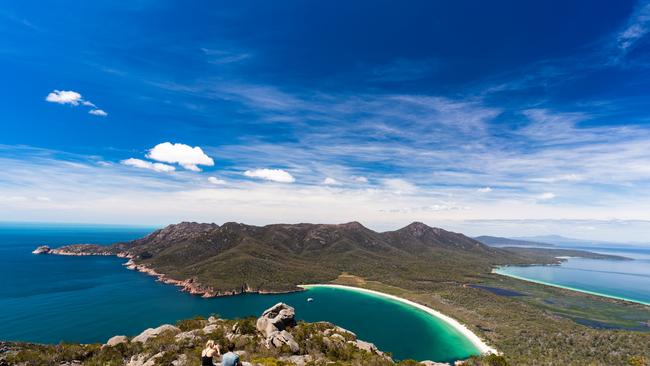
x: 353, y: 225
x: 418, y: 229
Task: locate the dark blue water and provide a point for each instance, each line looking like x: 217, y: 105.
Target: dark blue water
x: 628, y: 280
x: 46, y: 298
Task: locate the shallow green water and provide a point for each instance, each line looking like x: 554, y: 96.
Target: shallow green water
x: 625, y: 280
x: 89, y: 299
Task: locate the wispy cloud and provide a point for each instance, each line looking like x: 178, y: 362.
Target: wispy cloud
x: 143, y: 164
x: 216, y: 181
x: 638, y: 27
x: 328, y: 181
x: 546, y: 196
x: 223, y: 57
x: 114, y: 193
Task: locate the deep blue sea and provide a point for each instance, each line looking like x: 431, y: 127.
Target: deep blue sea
x: 47, y: 298
x: 628, y: 280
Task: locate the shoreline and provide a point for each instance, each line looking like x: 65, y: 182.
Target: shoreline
x: 588, y: 292
x: 476, y: 341
x: 191, y: 285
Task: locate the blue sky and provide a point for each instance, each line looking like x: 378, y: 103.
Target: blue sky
x: 500, y: 117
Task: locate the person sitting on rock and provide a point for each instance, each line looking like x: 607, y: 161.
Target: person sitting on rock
x: 230, y: 358
x: 208, y: 352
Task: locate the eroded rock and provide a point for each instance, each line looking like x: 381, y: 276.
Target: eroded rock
x: 276, y: 318
x: 273, y: 324
x: 153, y: 332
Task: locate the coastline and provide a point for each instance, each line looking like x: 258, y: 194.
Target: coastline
x: 191, y: 285
x: 594, y: 293
x: 481, y: 346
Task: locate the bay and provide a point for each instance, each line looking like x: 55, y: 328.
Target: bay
x: 49, y: 299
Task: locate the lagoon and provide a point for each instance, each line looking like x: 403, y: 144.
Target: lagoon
x: 625, y: 280
x: 89, y: 299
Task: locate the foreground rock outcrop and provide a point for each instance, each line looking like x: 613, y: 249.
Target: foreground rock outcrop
x: 273, y: 324
x: 153, y: 332
x: 275, y: 338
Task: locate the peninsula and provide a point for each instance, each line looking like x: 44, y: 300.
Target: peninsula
x: 430, y: 267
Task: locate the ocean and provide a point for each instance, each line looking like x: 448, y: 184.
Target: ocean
x: 48, y: 299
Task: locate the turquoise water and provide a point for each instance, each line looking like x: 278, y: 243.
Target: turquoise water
x: 89, y: 299
x: 627, y: 280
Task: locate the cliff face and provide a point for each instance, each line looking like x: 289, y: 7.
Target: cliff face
x: 212, y: 260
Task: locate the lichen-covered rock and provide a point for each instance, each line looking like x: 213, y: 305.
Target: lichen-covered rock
x: 273, y: 324
x: 144, y: 360
x: 152, y: 332
x: 368, y: 347
x: 181, y: 361
x: 189, y: 336
x: 279, y: 339
x: 298, y: 360
x: 276, y: 318
x: 119, y: 339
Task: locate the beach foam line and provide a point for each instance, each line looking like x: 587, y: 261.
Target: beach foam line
x: 462, y: 329
x: 570, y: 288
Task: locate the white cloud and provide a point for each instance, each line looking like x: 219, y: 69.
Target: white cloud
x: 216, y: 181
x: 98, y: 112
x: 275, y: 175
x: 186, y: 156
x: 330, y: 181
x: 143, y: 164
x: 73, y: 98
x: 484, y: 190
x: 361, y: 179
x: 64, y: 97
x: 546, y: 196
x: 114, y: 195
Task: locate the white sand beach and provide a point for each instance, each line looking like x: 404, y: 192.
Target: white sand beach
x: 476, y: 341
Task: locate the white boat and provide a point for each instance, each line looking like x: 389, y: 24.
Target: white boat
x: 311, y: 299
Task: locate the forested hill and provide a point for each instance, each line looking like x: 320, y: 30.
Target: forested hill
x: 238, y: 257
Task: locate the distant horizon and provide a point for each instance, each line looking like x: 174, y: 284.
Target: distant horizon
x: 594, y: 241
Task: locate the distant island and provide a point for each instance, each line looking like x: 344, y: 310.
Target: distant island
x: 501, y: 242
x: 443, y: 270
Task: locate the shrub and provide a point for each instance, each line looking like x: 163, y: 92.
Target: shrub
x: 191, y: 324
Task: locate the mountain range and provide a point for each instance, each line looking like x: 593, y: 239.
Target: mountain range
x: 235, y: 257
